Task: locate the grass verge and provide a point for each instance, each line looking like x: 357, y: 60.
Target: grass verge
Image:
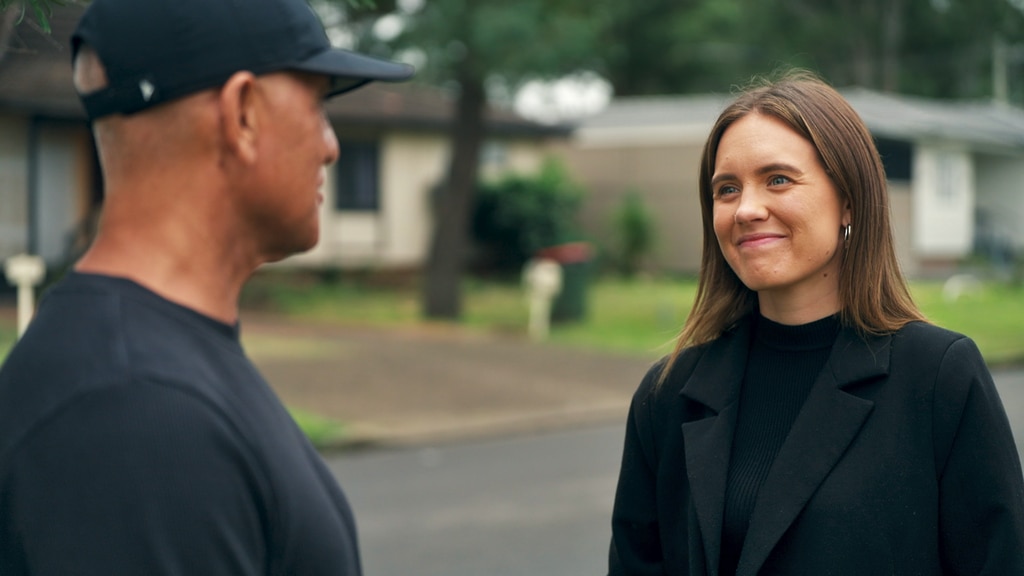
x: 322, y: 432
x: 991, y: 314
x: 633, y: 317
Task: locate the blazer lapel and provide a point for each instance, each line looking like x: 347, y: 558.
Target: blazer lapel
x: 714, y: 386
x: 827, y: 423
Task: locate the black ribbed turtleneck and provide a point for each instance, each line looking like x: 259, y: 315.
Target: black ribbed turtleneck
x: 781, y: 367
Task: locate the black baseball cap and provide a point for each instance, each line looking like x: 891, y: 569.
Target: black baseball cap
x: 158, y: 50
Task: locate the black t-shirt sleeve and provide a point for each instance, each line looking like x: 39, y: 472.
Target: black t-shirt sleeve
x: 134, y: 479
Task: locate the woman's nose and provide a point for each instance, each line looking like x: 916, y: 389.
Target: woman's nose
x: 752, y: 206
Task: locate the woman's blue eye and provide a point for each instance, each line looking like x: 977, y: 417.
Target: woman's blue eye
x: 778, y: 180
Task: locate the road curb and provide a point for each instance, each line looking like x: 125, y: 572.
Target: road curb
x: 362, y: 437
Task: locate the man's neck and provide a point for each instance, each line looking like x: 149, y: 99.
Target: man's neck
x: 193, y: 277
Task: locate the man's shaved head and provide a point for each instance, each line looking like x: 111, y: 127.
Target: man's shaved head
x: 89, y: 74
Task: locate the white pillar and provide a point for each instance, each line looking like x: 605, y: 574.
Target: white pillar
x: 25, y: 272
x: 543, y: 280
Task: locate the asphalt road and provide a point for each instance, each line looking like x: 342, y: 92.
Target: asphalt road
x: 523, y: 506
x: 528, y: 505
x: 1011, y: 390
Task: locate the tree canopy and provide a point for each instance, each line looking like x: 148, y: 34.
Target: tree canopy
x: 936, y: 48
x: 486, y: 49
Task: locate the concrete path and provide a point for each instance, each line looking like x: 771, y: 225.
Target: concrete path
x: 405, y: 386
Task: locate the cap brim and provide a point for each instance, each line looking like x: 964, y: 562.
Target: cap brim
x: 350, y: 70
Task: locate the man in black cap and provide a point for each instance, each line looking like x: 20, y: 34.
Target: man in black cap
x: 135, y: 435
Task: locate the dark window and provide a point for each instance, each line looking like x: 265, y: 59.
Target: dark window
x: 897, y: 157
x: 357, y: 177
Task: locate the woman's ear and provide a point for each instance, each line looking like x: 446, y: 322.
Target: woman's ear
x: 240, y: 123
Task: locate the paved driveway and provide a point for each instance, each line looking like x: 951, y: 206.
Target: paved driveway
x: 438, y: 382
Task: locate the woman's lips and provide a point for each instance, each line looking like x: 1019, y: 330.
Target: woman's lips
x: 757, y: 240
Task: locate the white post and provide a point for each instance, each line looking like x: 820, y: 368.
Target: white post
x: 543, y: 279
x: 25, y: 272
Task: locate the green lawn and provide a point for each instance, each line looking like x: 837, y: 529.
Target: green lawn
x: 993, y: 316
x: 639, y: 317
x: 322, y: 432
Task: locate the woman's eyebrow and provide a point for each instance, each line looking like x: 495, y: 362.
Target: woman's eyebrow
x: 778, y: 167
x: 766, y: 169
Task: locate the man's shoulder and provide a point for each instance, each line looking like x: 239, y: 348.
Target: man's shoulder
x: 86, y: 329
x: 69, y: 347
x: 101, y: 323
x: 96, y: 339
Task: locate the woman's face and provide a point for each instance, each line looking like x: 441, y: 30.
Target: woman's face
x: 778, y: 218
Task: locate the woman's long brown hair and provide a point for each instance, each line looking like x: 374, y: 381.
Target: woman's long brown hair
x: 872, y: 290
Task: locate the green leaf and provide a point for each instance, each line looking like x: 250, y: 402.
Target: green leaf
x: 43, y: 16
x: 43, y: 10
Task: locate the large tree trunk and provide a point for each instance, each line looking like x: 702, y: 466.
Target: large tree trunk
x: 454, y: 204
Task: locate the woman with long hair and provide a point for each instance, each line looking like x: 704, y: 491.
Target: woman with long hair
x: 810, y: 421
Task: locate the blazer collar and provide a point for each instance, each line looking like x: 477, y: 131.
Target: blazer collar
x: 715, y: 380
x: 855, y: 358
x: 829, y: 420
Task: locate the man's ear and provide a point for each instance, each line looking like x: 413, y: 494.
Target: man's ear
x: 239, y: 116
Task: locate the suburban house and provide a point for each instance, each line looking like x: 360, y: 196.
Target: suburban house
x: 955, y: 169
x: 377, y: 210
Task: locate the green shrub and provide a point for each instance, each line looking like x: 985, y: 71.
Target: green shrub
x: 634, y: 234
x: 518, y: 215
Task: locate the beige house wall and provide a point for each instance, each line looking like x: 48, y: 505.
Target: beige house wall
x: 900, y: 210
x: 502, y: 157
x: 397, y: 236
x: 1000, y: 188
x: 666, y: 178
x: 13, y: 185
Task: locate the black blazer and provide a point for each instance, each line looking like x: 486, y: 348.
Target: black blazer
x: 901, y: 462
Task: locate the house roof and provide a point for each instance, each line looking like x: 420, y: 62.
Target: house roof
x: 914, y: 118
x: 647, y: 120
x: 35, y: 67
x: 651, y: 119
x: 35, y: 79
x: 415, y: 106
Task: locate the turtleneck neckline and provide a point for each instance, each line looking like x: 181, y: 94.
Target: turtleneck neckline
x: 811, y: 336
